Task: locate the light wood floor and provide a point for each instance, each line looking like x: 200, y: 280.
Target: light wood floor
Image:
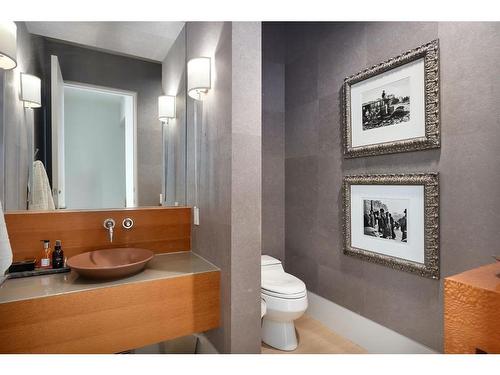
x: 315, y: 338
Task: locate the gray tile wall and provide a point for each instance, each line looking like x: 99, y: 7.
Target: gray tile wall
x: 246, y: 197
x: 229, y: 233
x: 212, y: 239
x: 319, y: 56
x: 273, y: 140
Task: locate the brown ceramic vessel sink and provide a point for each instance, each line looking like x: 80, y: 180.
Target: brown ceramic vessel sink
x: 110, y: 263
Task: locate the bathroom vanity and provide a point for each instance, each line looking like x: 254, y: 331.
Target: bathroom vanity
x: 176, y: 295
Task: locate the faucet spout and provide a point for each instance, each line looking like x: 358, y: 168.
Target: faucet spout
x: 110, y: 234
x: 109, y: 224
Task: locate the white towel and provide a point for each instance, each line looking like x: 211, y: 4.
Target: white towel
x: 41, y: 194
x: 5, y: 249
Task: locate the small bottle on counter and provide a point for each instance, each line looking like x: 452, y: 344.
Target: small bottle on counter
x: 58, y: 256
x: 45, y: 259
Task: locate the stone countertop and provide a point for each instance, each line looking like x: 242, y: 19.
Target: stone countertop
x: 162, y: 266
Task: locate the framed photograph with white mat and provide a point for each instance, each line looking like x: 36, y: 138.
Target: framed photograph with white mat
x: 393, y: 106
x: 393, y: 220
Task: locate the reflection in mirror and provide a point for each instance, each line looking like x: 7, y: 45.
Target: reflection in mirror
x: 175, y: 129
x: 100, y: 124
x: 97, y: 141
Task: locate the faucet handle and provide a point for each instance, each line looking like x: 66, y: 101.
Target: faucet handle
x: 109, y: 224
x: 127, y: 223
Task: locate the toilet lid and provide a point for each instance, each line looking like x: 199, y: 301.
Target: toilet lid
x: 282, y: 283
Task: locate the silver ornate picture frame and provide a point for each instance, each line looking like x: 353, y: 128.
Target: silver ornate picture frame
x: 416, y: 233
x: 428, y: 113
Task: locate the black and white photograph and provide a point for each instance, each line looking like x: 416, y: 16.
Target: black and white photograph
x: 387, y: 105
x: 386, y: 219
x: 393, y: 220
x: 393, y: 106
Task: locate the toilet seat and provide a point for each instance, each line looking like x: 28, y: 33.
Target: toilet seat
x: 284, y: 296
x: 281, y: 284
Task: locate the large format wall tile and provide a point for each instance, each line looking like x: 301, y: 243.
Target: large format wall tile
x: 273, y: 139
x: 301, y: 135
x: 273, y: 87
x: 301, y: 78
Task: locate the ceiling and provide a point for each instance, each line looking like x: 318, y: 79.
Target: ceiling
x: 149, y: 40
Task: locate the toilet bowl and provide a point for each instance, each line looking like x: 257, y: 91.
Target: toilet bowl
x: 285, y: 297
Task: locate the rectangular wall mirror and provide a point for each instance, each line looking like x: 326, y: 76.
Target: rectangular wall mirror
x: 97, y: 135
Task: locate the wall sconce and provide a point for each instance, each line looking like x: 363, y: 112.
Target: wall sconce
x: 166, y: 107
x: 199, y: 77
x: 8, y: 45
x: 31, y: 91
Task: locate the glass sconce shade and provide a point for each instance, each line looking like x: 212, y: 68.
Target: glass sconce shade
x: 31, y: 91
x: 198, y: 77
x: 166, y: 107
x: 8, y: 45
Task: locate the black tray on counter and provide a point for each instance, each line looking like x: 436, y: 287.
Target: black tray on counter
x: 37, y: 272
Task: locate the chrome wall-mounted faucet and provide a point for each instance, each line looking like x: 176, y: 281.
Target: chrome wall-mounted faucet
x: 109, y: 224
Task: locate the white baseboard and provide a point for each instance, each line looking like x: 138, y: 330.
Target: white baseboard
x: 373, y: 337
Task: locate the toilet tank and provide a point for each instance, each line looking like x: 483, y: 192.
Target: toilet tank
x: 269, y: 263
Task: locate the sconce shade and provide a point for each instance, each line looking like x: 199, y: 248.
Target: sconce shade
x: 166, y: 107
x: 199, y: 77
x: 31, y: 91
x: 8, y: 45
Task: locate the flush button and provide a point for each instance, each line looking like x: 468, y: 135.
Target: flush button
x: 128, y: 223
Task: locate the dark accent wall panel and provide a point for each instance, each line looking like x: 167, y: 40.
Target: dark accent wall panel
x: 273, y: 140
x: 319, y: 56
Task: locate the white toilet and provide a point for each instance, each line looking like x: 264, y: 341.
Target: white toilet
x: 285, y: 298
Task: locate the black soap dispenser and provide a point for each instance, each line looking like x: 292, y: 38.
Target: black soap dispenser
x: 58, y: 256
